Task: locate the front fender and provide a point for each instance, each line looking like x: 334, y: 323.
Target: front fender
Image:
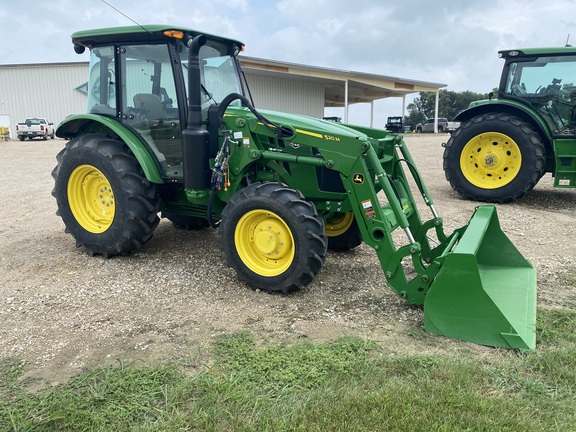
x: 83, y: 124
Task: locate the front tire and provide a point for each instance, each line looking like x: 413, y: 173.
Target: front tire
x: 495, y: 158
x: 103, y: 197
x: 273, y: 238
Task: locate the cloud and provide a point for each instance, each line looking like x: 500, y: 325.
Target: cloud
x: 452, y: 41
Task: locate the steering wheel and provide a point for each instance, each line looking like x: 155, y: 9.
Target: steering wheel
x: 551, y: 89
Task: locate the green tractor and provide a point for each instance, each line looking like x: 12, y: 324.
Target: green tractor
x: 170, y: 133
x: 505, y: 145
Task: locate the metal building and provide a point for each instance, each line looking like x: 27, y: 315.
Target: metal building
x: 50, y: 91
x: 56, y: 90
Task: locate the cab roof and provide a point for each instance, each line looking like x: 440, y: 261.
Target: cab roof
x: 143, y: 33
x: 537, y: 51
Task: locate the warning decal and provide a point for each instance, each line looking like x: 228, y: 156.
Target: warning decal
x: 368, y: 209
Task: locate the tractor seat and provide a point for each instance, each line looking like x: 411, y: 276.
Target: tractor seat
x: 149, y: 106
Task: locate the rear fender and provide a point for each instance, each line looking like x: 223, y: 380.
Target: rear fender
x: 510, y: 107
x: 82, y: 124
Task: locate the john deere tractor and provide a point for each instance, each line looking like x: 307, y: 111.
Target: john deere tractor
x: 170, y: 133
x: 505, y: 145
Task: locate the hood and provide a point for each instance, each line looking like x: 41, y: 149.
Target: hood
x: 303, y: 124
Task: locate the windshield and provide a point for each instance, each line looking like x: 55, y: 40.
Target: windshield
x: 545, y: 75
x: 218, y: 72
x: 549, y: 83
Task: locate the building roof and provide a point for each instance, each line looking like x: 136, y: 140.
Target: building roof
x: 362, y: 87
x: 342, y: 87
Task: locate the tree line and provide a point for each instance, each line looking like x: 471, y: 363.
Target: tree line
x: 449, y: 105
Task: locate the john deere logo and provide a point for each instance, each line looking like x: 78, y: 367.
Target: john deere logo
x: 358, y: 178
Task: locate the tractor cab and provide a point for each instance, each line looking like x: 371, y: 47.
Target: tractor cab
x: 547, y: 82
x: 168, y: 130
x: 140, y: 78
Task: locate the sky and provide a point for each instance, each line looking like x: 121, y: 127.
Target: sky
x: 455, y: 42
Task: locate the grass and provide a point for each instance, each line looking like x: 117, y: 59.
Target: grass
x: 345, y: 385
x: 568, y: 278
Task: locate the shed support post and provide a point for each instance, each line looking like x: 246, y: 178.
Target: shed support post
x: 346, y: 101
x: 436, y: 111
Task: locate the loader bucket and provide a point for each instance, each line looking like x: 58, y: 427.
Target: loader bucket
x: 485, y: 290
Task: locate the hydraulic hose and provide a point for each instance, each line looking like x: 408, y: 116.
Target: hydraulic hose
x: 280, y: 131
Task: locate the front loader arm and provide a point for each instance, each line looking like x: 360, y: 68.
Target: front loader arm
x: 474, y: 284
x: 378, y: 216
x: 369, y: 169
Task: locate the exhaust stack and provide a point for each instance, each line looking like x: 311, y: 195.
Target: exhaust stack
x: 195, y: 137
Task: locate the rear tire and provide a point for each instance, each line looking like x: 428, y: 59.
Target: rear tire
x: 343, y: 232
x: 103, y: 197
x: 495, y: 158
x: 273, y: 237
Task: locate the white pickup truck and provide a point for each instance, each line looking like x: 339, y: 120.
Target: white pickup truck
x: 35, y: 127
x: 443, y: 126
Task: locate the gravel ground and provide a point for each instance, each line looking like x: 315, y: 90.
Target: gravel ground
x: 63, y: 311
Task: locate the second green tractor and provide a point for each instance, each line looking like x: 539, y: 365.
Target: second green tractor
x: 505, y: 144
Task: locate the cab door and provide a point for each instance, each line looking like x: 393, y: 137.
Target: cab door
x: 149, y: 103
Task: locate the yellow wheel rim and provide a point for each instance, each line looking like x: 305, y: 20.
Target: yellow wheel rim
x: 490, y: 160
x: 339, y: 225
x: 91, y: 199
x: 264, y: 243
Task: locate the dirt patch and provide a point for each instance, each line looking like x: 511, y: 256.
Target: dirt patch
x: 63, y: 311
